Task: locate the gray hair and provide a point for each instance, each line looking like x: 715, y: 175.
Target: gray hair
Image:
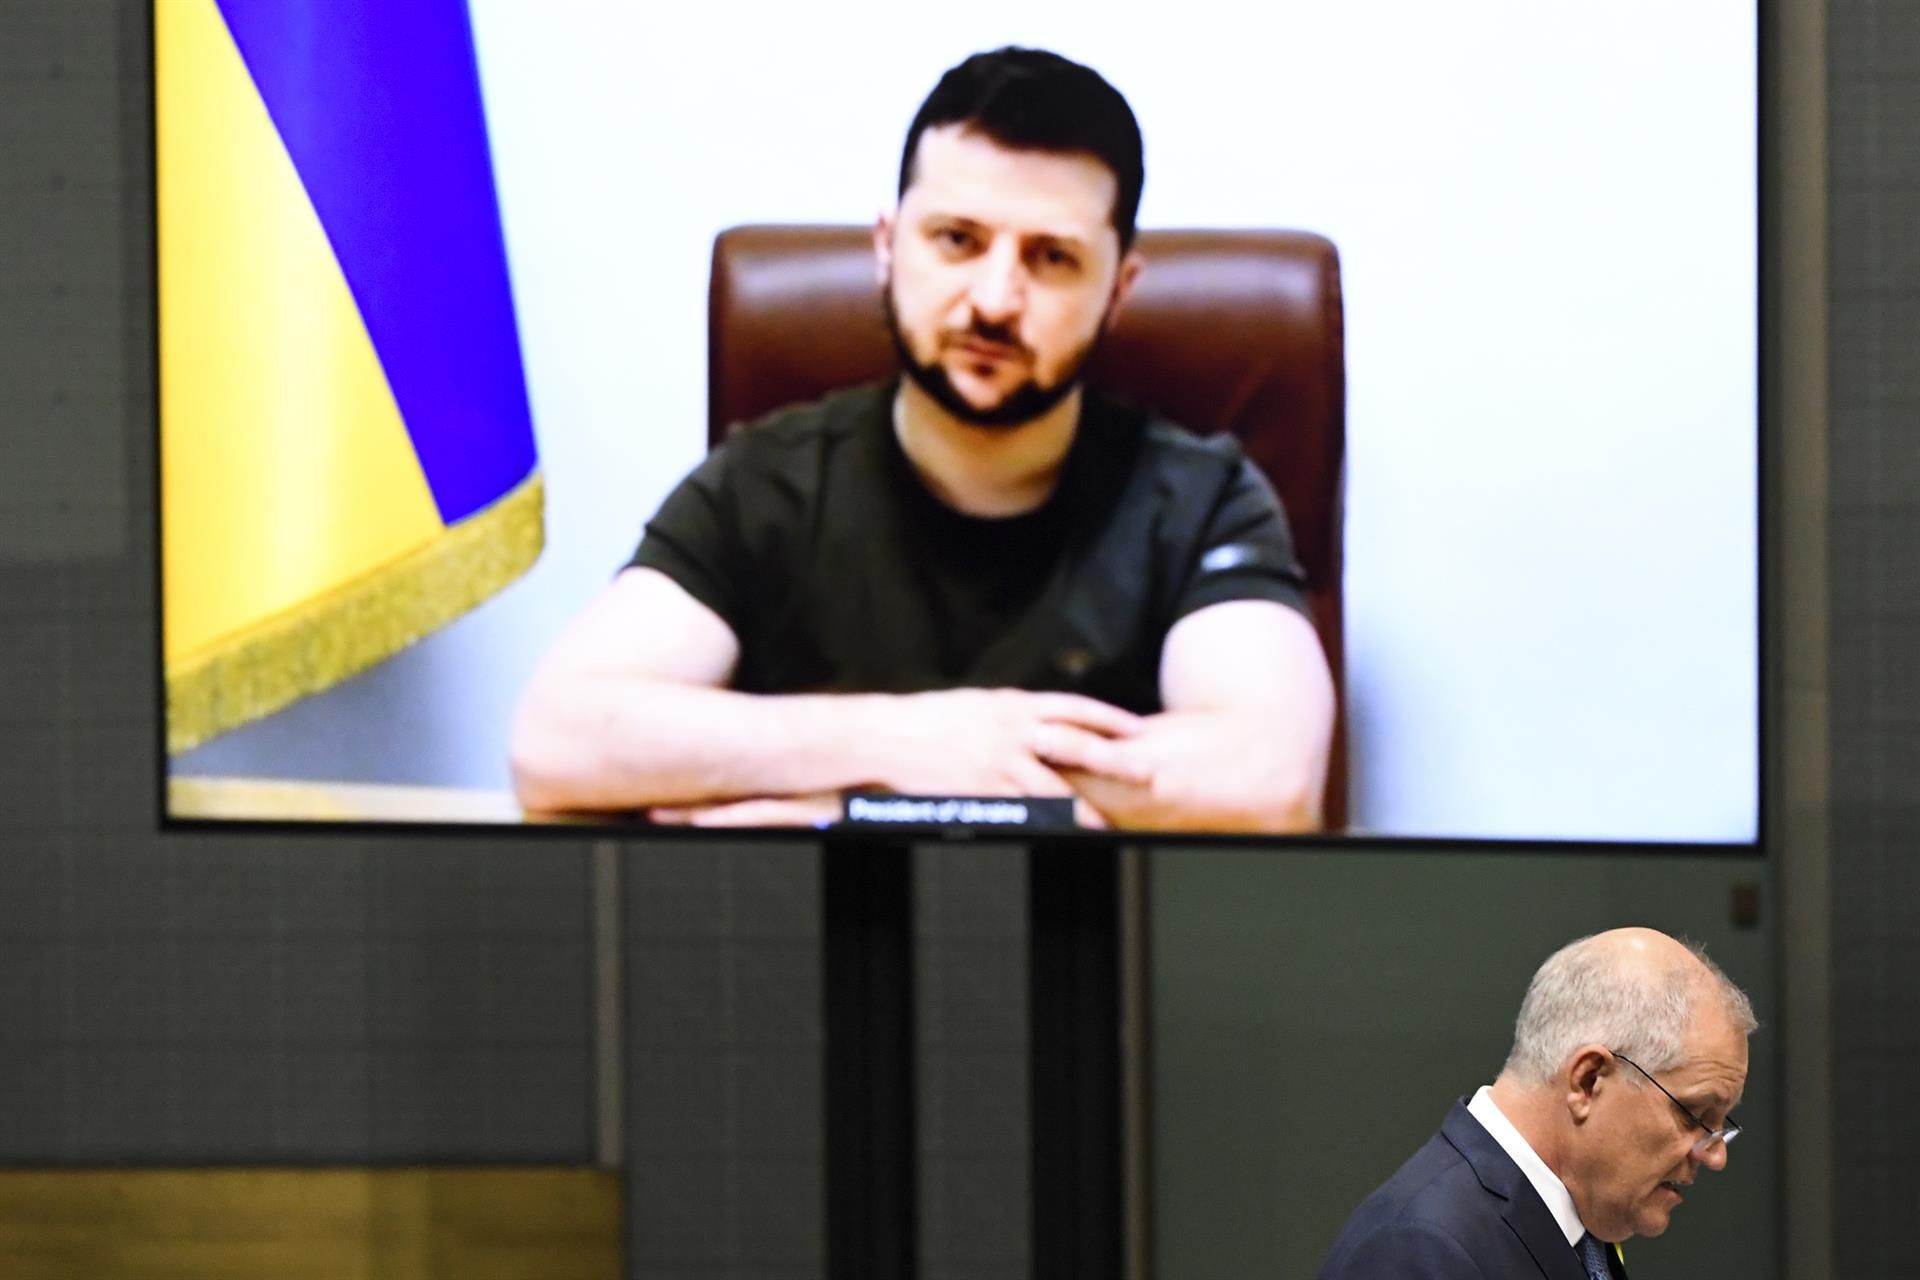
x: 1584, y: 995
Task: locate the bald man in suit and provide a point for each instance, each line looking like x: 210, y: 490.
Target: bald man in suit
x: 1629, y: 1055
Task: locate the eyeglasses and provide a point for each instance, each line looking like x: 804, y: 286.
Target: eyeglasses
x: 1724, y: 1134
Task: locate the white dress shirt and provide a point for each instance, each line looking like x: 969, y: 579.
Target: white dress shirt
x: 1559, y: 1200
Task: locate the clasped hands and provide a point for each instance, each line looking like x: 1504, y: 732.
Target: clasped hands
x: 983, y: 742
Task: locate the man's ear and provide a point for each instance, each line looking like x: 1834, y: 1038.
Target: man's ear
x: 1123, y: 279
x: 883, y: 244
x: 1584, y: 1074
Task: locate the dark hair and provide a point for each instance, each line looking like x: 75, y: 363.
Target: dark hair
x: 1033, y: 100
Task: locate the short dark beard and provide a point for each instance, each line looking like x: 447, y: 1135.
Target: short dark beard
x: 1024, y: 404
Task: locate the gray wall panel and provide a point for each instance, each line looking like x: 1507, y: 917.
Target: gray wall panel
x: 70, y: 274
x: 725, y: 1130
x: 1873, y: 61
x: 195, y: 999
x: 970, y: 955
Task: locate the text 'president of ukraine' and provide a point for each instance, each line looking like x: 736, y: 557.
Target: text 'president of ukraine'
x: 980, y: 578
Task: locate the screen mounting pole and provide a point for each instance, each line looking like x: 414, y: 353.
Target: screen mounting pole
x: 867, y: 958
x: 1074, y: 1003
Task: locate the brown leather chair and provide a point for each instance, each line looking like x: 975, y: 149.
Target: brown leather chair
x: 1238, y: 331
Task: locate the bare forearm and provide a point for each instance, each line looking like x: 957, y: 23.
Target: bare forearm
x: 622, y: 742
x: 1215, y: 771
x: 1243, y: 745
x: 1282, y: 808
x: 1276, y: 810
x: 1246, y: 772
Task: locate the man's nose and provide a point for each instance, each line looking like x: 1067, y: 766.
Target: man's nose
x: 999, y: 284
x: 1714, y: 1157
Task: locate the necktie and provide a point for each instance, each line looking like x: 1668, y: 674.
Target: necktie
x: 1594, y: 1255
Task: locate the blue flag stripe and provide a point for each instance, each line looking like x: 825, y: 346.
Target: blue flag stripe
x: 379, y: 105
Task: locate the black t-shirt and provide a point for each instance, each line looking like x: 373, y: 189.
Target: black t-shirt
x: 810, y: 534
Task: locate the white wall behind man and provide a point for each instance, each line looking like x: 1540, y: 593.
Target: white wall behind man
x: 1546, y: 221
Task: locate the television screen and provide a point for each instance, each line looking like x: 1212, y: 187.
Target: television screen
x: 453, y: 529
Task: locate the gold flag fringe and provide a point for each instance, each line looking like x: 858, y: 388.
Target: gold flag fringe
x: 316, y: 645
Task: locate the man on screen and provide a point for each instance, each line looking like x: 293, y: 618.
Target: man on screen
x: 980, y: 578
x: 1629, y: 1056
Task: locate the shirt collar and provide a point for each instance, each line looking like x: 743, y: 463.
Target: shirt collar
x: 1559, y: 1200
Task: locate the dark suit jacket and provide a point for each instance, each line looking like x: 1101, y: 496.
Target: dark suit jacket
x: 1459, y: 1210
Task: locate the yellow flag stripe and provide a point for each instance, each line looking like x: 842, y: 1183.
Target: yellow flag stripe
x: 286, y: 470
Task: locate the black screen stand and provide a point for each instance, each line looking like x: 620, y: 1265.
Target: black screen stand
x: 1074, y: 995
x: 1074, y: 989
x: 867, y: 955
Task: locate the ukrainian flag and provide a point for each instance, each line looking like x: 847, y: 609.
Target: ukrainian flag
x: 346, y: 451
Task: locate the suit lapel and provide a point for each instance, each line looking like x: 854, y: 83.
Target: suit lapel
x: 1527, y: 1216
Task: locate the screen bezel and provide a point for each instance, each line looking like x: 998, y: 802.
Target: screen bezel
x: 595, y: 828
